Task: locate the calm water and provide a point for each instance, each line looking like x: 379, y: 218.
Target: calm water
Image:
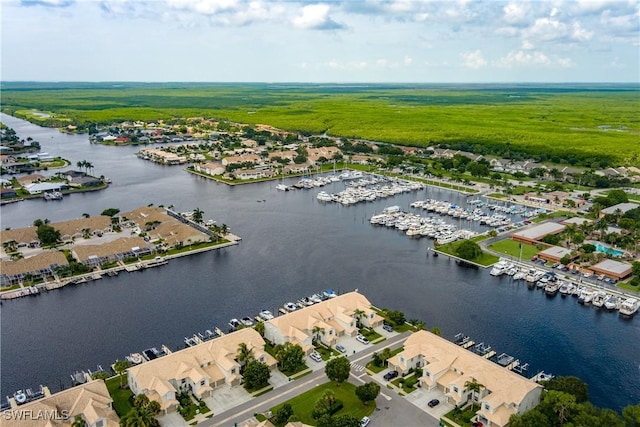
x: 292, y: 246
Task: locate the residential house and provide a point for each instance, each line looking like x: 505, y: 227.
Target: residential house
x: 296, y: 168
x: 245, y: 158
x: 315, y: 154
x: 198, y: 369
x: 117, y: 250
x: 621, y: 208
x: 8, y: 193
x: 30, y: 179
x: 210, y: 168
x: 451, y: 369
x: 24, y: 237
x: 285, y: 154
x: 91, y: 402
x: 365, y: 159
x: 85, y: 181
x: 335, y: 317
x: 38, y: 266
x: 41, y: 187
x: 81, y: 227
x: 252, y: 173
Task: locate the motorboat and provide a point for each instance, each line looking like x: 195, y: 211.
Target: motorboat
x: 611, y: 302
x: 290, y: 306
x: 629, y: 307
x: 20, y: 397
x: 52, y: 195
x: 329, y: 293
x: 234, y: 323
x: 598, y: 299
x: 265, y: 315
x: 246, y: 321
x: 135, y: 358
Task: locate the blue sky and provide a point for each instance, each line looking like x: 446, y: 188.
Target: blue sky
x: 331, y: 41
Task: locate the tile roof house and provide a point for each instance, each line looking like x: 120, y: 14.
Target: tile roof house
x: 210, y: 168
x: 198, y: 369
x: 336, y: 316
x: 90, y: 401
x: 315, y: 154
x: 450, y: 368
x: 40, y: 265
x: 250, y: 158
x: 117, y: 250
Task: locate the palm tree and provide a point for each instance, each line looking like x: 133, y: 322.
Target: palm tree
x: 358, y: 315
x: 78, y: 421
x: 120, y: 366
x: 474, y: 387
x: 88, y: 166
x: 316, y: 331
x: 244, y: 355
x: 10, y: 246
x: 197, y: 215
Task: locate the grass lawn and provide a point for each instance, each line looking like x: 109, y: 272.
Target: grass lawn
x: 407, y: 383
x: 378, y: 369
x: 485, y: 259
x: 196, y: 246
x: 556, y: 214
x: 628, y: 286
x: 121, y: 402
x: 512, y: 248
x: 370, y: 334
x: 463, y: 417
x: 303, y: 404
x: 497, y: 195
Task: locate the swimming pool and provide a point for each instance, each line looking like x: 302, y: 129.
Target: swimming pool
x: 608, y: 250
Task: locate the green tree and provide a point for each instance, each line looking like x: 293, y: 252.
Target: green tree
x: 120, y: 366
x: 571, y: 385
x: 358, y: 315
x: 532, y: 418
x: 197, y: 216
x: 244, y: 355
x: 635, y: 268
x: 256, y: 375
x: 78, y: 421
x: 396, y: 317
x: 110, y: 212
x: 468, y: 250
x: 631, y: 415
x: 283, y: 414
x: 324, y: 403
x: 562, y: 404
x: 290, y: 357
x: 338, y: 369
x: 368, y: 392
x: 143, y: 413
x: 259, y: 327
x: 474, y: 387
x: 317, y: 331
x: 48, y: 235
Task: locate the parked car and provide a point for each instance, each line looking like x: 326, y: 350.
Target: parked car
x: 315, y: 357
x: 390, y: 375
x: 362, y: 339
x: 387, y: 328
x: 365, y: 421
x: 433, y: 402
x: 341, y: 349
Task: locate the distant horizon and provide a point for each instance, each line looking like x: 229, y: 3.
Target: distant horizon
x: 381, y: 41
x: 617, y: 83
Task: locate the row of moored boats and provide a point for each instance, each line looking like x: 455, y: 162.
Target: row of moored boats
x: 552, y: 284
x: 414, y: 225
x: 476, y: 214
x: 370, y: 189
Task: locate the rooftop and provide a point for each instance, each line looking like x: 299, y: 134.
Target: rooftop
x: 612, y: 266
x: 539, y: 231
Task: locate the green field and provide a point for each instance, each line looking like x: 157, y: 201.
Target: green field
x: 304, y: 403
x: 590, y: 125
x: 512, y: 248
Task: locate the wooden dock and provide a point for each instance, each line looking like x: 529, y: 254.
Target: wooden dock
x: 468, y: 344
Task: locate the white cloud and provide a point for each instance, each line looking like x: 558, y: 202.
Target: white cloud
x: 527, y: 45
x: 316, y: 17
x: 516, y: 13
x: 474, y: 59
x: 580, y: 34
x: 521, y: 58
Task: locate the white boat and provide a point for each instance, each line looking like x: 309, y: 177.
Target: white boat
x: 282, y: 187
x: 52, y: 195
x: 499, y: 268
x: 246, y: 321
x: 290, y: 306
x: 598, y: 299
x: 323, y: 196
x: 611, y: 302
x: 266, y: 315
x: 629, y: 307
x: 135, y: 358
x: 234, y: 323
x: 329, y: 293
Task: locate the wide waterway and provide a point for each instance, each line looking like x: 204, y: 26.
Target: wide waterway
x: 292, y: 246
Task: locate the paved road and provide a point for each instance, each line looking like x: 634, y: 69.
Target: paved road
x: 391, y: 408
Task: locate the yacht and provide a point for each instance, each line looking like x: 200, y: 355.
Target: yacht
x: 611, y: 302
x: 290, y: 306
x: 52, y: 195
x: 135, y: 358
x: 629, y: 307
x: 598, y: 299
x: 329, y: 293
x: 499, y: 268
x: 323, y: 196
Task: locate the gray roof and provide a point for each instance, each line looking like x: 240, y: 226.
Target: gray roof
x: 624, y: 207
x: 556, y: 251
x: 577, y: 220
x: 539, y: 231
x: 612, y: 266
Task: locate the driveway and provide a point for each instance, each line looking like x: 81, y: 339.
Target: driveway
x: 225, y: 397
x: 421, y: 398
x: 173, y: 419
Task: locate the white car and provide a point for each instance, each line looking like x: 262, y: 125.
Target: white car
x: 316, y: 357
x: 362, y: 339
x: 365, y: 421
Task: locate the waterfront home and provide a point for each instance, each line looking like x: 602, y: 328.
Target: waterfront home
x: 159, y: 225
x: 537, y: 233
x: 35, y: 267
x: 252, y: 173
x: 198, y: 369
x: 30, y: 179
x: 365, y: 159
x: 8, y: 193
x: 210, y: 168
x: 450, y: 369
x: 328, y: 320
x: 285, y: 154
x: 81, y: 227
x: 85, y: 181
x: 91, y: 402
x: 298, y: 168
x: 612, y: 269
x: 23, y: 237
x: 41, y: 187
x: 246, y: 158
x: 161, y: 156
x: 117, y: 250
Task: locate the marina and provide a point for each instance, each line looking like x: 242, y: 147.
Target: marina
x: 553, y: 283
